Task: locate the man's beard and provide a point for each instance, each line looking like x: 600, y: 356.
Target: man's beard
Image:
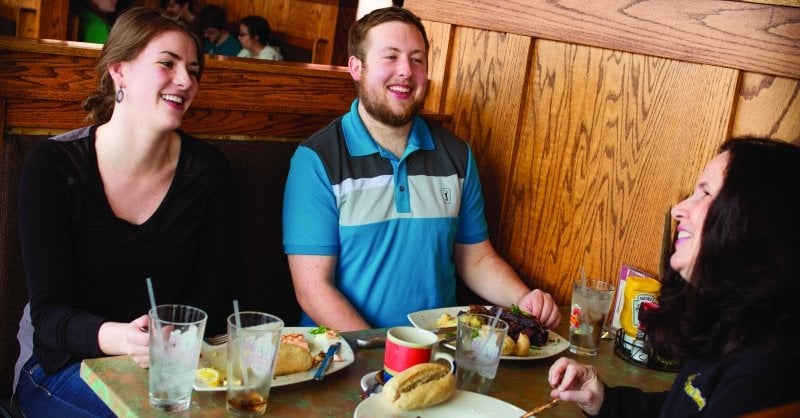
x: 377, y: 107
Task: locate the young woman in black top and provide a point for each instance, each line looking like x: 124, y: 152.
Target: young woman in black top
x: 104, y: 207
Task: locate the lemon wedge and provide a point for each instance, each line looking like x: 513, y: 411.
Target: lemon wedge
x: 207, y: 376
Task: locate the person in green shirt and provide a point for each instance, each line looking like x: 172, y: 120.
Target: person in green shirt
x: 95, y: 20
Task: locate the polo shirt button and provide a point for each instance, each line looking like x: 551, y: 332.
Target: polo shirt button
x: 402, y: 188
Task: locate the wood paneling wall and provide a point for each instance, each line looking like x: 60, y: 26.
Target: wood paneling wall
x: 590, y: 119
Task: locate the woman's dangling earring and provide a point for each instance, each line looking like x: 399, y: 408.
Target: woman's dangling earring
x: 120, y: 95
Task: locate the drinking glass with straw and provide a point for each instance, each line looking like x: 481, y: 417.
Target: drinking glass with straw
x: 478, y: 347
x: 238, y: 339
x: 253, y: 339
x: 176, y: 334
x: 591, y: 301
x: 155, y: 322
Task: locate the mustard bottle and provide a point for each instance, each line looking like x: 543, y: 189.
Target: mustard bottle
x: 637, y: 290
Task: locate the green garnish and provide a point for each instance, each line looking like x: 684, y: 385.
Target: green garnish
x: 517, y: 311
x: 318, y: 330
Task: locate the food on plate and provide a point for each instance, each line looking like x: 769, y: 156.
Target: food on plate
x: 523, y: 345
x: 524, y: 329
x: 294, y: 354
x: 420, y: 386
x: 292, y: 358
x: 325, y: 336
x: 208, y: 376
x: 446, y: 321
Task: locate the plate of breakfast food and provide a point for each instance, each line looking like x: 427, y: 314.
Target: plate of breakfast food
x: 300, y: 353
x: 527, y: 339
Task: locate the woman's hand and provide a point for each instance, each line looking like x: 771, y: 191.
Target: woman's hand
x: 575, y: 382
x: 116, y: 338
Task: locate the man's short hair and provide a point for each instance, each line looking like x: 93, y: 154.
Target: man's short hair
x: 357, y: 37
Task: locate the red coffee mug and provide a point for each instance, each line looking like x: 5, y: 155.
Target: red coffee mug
x: 409, y: 346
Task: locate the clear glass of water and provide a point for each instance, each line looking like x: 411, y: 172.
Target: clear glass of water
x: 591, y: 301
x: 478, y: 345
x: 176, y: 335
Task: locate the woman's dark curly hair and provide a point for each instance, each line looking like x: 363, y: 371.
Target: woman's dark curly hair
x: 131, y: 33
x: 746, y: 277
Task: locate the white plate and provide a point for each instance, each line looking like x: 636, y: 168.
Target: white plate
x: 462, y: 405
x: 427, y: 319
x: 216, y: 357
x: 368, y: 380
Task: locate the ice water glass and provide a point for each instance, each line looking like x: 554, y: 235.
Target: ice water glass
x: 591, y: 301
x: 176, y: 335
x: 253, y: 341
x: 478, y: 346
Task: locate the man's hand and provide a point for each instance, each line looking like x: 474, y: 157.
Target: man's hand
x: 541, y: 305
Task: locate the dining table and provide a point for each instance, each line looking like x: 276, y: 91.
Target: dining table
x: 123, y: 385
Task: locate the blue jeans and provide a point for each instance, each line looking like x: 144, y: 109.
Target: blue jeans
x: 61, y: 394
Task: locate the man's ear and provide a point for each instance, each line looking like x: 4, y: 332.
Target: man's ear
x: 354, y: 65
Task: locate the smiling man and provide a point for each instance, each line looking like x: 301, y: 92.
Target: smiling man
x: 383, y: 208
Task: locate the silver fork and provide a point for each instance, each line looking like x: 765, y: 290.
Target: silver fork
x: 217, y: 339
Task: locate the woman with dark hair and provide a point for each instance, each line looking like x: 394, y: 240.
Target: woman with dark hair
x: 213, y: 24
x: 254, y: 35
x: 727, y: 308
x: 104, y: 207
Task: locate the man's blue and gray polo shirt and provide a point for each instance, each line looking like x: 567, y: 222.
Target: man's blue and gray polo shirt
x: 391, y: 222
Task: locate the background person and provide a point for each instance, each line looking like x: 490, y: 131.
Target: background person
x: 179, y: 8
x: 383, y: 208
x: 94, y: 23
x: 254, y: 35
x: 103, y: 207
x: 213, y: 24
x: 727, y: 300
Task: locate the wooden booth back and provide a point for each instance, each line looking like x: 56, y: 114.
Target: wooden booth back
x: 254, y: 112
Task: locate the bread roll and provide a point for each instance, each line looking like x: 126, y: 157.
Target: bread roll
x: 292, y: 359
x: 420, y: 386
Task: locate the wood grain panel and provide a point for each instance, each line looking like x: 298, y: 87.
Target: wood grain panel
x: 439, y: 38
x: 486, y: 72
x: 609, y: 140
x: 750, y: 36
x: 769, y: 107
x: 52, y: 16
x: 51, y: 114
x: 44, y: 83
x: 303, y: 18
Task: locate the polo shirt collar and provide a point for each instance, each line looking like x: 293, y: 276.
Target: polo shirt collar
x: 360, y: 143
